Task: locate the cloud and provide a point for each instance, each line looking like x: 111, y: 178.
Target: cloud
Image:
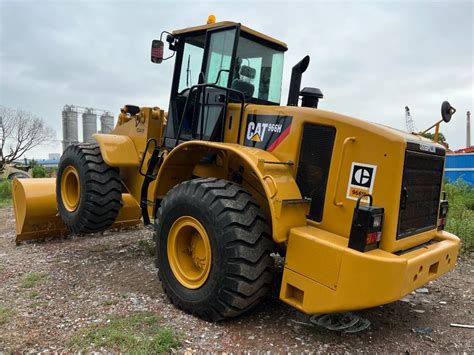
x: 369, y: 58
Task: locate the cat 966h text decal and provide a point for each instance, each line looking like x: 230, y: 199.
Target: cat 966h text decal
x: 266, y: 131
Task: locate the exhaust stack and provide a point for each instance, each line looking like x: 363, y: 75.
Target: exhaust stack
x: 295, y: 82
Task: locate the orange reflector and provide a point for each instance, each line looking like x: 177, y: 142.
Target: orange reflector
x: 374, y: 237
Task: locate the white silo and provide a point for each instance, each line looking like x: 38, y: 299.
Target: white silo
x: 89, y: 125
x: 70, y: 135
x: 106, y: 122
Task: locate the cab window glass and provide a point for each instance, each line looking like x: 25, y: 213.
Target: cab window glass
x: 193, y: 53
x: 220, y: 55
x: 258, y: 71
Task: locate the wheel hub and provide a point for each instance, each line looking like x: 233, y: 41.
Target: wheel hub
x: 70, y: 188
x: 189, y: 252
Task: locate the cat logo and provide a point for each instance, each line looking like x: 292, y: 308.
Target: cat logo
x: 362, y: 176
x: 361, y: 181
x: 256, y: 138
x: 266, y: 131
x: 256, y: 131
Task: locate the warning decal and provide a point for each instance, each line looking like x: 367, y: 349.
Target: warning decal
x: 361, y: 181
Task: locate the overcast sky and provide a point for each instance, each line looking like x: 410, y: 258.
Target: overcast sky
x: 369, y: 58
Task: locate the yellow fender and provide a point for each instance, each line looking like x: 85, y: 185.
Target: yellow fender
x: 269, y: 180
x: 117, y: 150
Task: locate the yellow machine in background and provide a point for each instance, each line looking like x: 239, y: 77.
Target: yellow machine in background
x: 230, y: 176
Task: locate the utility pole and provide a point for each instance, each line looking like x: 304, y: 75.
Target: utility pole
x: 1, y: 136
x: 468, y: 129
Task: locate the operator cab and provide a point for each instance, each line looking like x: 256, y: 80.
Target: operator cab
x: 217, y: 64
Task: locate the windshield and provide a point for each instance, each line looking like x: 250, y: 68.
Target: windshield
x: 258, y: 71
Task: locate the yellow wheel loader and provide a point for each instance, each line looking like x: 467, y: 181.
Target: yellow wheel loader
x: 230, y: 176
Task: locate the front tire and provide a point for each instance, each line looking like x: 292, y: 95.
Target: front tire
x: 89, y: 192
x: 213, y: 248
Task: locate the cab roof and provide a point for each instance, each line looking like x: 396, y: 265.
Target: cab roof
x: 278, y: 44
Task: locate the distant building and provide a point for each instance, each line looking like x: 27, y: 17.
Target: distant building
x: 460, y: 166
x: 48, y: 163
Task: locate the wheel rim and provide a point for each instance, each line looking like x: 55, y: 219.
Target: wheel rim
x: 189, y: 252
x: 70, y: 188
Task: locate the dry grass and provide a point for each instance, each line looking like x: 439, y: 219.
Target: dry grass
x: 32, y: 279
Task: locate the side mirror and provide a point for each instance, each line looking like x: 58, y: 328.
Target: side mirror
x: 157, y: 51
x: 447, y: 111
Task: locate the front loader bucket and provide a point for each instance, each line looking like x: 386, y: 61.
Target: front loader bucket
x: 129, y: 214
x: 36, y: 212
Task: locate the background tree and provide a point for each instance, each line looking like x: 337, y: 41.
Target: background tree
x: 441, y: 138
x: 21, y: 131
x: 39, y: 171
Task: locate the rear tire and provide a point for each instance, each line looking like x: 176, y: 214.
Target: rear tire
x: 89, y: 192
x: 240, y: 246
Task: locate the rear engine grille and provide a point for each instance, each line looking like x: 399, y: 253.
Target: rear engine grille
x: 313, y: 166
x: 420, y: 194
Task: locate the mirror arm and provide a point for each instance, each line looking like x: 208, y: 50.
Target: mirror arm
x: 172, y: 45
x: 429, y: 129
x: 171, y: 56
x: 162, y: 33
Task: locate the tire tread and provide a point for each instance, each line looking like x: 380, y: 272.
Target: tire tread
x: 103, y: 193
x: 247, y: 246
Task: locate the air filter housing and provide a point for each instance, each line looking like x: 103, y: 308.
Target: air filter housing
x: 310, y: 97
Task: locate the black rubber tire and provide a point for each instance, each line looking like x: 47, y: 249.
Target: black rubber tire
x: 18, y: 175
x: 101, y: 190
x: 241, y: 244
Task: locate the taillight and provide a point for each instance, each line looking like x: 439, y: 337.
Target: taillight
x: 443, y: 212
x: 367, y: 224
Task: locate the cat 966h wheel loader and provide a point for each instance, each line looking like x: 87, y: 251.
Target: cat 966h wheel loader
x: 230, y: 176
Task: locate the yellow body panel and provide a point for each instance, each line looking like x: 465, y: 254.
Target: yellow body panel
x: 36, y: 212
x: 362, y: 280
x: 117, y: 150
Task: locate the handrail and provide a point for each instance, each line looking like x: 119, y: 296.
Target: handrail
x: 344, y: 145
x: 144, y: 154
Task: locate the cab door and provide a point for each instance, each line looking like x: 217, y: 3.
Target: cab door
x: 203, y: 111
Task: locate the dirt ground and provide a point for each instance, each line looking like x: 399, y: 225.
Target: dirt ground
x: 87, y: 279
